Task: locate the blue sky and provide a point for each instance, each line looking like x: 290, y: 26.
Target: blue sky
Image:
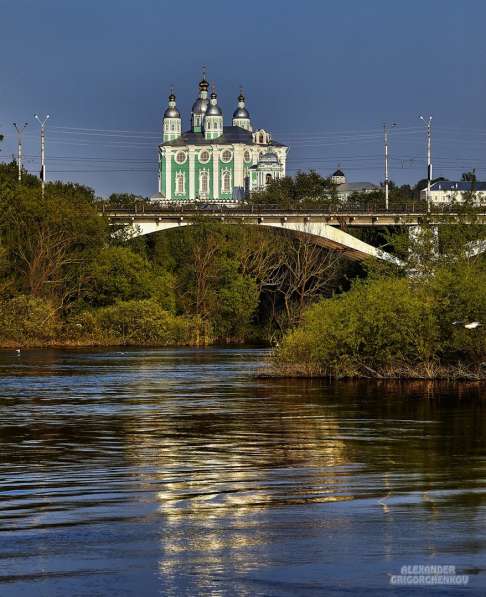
x: 322, y: 76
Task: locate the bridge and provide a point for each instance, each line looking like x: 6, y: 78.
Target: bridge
x: 326, y: 226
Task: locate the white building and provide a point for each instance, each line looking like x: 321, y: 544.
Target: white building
x: 345, y: 189
x: 447, y: 191
x: 212, y: 162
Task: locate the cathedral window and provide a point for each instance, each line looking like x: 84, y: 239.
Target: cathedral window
x: 204, y: 182
x: 226, y: 182
x: 247, y: 156
x: 268, y: 178
x: 180, y: 183
x: 180, y: 157
x: 226, y: 156
x: 204, y: 157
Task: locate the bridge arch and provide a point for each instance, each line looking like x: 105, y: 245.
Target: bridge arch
x: 323, y: 234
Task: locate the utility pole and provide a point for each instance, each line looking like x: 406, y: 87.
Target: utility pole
x: 428, y: 124
x: 43, y: 149
x: 386, y: 131
x: 20, y: 130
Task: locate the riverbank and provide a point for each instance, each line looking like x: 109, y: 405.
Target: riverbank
x: 110, y: 342
x: 423, y: 371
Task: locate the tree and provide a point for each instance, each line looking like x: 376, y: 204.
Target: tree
x: 119, y: 274
x: 309, y: 271
x: 469, y: 176
x: 305, y: 189
x: 49, y: 239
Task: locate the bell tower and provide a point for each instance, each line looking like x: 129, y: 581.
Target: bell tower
x: 172, y: 120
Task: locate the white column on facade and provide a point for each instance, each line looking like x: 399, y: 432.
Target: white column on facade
x: 192, y: 173
x: 215, y: 172
x: 238, y: 152
x: 283, y: 160
x: 168, y: 174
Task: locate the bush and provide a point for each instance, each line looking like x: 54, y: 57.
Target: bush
x: 119, y: 274
x: 376, y: 324
x: 133, y: 322
x: 26, y: 319
x: 458, y: 292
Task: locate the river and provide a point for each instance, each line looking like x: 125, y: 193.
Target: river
x: 177, y: 472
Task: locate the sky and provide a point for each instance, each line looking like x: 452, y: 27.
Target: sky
x: 322, y: 76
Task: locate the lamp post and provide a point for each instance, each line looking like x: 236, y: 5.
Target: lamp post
x: 20, y: 130
x: 428, y: 124
x: 43, y: 149
x: 386, y: 130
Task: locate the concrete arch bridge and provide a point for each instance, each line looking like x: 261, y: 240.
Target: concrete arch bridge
x: 326, y: 228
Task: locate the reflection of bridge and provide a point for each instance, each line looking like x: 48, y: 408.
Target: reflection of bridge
x: 326, y: 226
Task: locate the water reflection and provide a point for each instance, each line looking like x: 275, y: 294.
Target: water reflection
x: 177, y: 471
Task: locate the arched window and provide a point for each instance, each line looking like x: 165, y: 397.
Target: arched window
x: 204, y: 182
x: 226, y: 182
x: 268, y: 178
x: 180, y: 183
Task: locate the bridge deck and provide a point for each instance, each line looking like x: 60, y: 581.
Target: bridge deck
x: 333, y: 217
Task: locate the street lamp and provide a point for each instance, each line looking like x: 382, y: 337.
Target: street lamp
x: 20, y: 130
x: 428, y: 124
x: 43, y: 149
x: 386, y: 131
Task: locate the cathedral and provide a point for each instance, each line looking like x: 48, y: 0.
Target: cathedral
x: 212, y: 162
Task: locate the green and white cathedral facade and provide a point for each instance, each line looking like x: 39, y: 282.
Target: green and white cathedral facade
x: 212, y: 162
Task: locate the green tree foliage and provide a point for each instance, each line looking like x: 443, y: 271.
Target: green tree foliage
x: 305, y: 189
x: 390, y: 324
x: 401, y: 317
x: 211, y: 282
x: 125, y: 200
x: 469, y: 176
x: 27, y: 319
x: 374, y: 325
x: 48, y: 240
x: 135, y: 322
x: 119, y: 274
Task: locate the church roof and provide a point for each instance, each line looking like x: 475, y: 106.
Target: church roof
x: 231, y: 134
x: 449, y: 185
x: 353, y: 187
x: 241, y: 113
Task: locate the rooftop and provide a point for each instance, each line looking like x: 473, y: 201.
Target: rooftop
x: 231, y: 134
x: 350, y: 187
x: 450, y: 185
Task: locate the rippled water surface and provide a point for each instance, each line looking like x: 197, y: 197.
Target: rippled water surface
x: 176, y: 472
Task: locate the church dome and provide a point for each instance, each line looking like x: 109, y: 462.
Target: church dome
x: 213, y: 111
x: 172, y: 113
x: 200, y: 106
x: 241, y: 113
x: 213, y: 108
x: 339, y: 173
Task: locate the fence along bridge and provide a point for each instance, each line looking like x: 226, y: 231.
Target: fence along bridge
x: 326, y: 227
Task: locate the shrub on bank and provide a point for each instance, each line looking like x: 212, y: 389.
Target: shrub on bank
x: 372, y: 326
x: 395, y: 326
x: 133, y: 322
x: 26, y: 319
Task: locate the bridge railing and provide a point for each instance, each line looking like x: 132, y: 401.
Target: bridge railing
x: 147, y: 208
